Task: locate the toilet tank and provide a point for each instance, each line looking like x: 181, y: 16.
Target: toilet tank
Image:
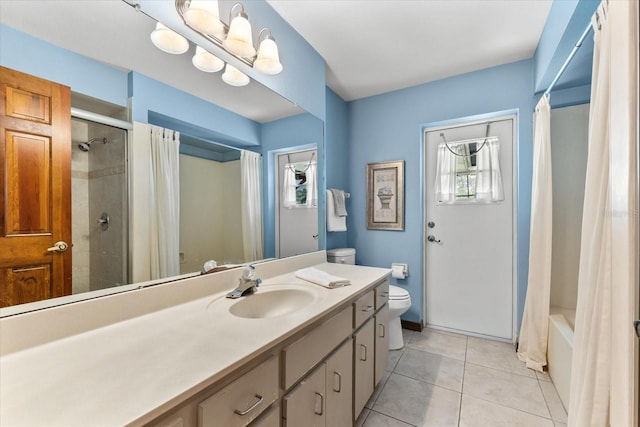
x: 342, y: 255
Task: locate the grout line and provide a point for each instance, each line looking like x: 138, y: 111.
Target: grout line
x: 464, y: 369
x: 389, y: 416
x: 427, y: 382
x: 535, y: 377
x: 509, y: 407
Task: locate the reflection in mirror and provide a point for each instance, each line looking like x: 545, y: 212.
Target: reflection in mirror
x: 127, y: 47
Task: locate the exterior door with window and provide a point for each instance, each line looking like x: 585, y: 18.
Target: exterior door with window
x: 297, y: 203
x: 35, y: 182
x: 469, y: 223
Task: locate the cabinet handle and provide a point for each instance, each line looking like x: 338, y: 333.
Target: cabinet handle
x: 339, y: 382
x: 250, y: 408
x: 363, y: 354
x: 384, y: 294
x: 382, y: 330
x: 321, y: 404
x: 369, y: 308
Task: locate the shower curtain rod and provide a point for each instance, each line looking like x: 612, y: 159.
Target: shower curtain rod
x: 568, y: 60
x: 99, y: 118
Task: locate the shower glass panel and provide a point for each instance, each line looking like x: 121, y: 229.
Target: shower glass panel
x: 99, y: 206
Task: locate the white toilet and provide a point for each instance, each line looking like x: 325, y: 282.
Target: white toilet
x: 399, y: 299
x: 399, y: 303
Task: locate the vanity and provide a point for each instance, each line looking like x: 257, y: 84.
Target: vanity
x: 182, y: 354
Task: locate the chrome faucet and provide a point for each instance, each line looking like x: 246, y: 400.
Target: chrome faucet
x: 248, y: 283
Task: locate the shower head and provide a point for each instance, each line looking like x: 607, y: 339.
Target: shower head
x: 86, y: 146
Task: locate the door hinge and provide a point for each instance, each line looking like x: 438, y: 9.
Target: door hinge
x: 636, y: 325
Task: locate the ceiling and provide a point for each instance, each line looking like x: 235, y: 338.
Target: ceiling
x: 377, y: 46
x: 370, y: 47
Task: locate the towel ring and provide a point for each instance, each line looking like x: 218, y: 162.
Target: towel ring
x: 486, y: 138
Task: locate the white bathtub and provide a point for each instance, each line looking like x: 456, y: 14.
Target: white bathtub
x: 560, y: 349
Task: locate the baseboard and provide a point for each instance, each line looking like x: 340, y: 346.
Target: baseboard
x: 412, y: 326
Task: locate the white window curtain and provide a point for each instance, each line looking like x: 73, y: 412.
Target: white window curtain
x: 532, y: 346
x: 602, y: 377
x: 251, y: 184
x: 289, y: 186
x: 445, y: 190
x: 164, y: 206
x: 488, y: 176
x: 312, y: 184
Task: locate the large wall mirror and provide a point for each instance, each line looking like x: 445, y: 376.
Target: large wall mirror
x: 114, y: 33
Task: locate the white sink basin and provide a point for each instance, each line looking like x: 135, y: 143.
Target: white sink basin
x: 274, y: 301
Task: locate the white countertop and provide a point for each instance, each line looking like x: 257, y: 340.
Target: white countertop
x: 131, y: 371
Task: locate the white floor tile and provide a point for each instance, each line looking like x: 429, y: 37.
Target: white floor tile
x: 480, y: 413
x: 448, y: 345
x: 418, y: 403
x: 376, y: 419
x: 432, y: 368
x: 556, y: 408
x: 497, y: 355
x: 505, y: 388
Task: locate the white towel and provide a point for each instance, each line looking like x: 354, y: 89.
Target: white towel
x: 338, y: 201
x: 334, y: 222
x: 322, y: 278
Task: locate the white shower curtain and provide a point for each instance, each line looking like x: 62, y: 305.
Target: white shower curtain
x: 164, y: 204
x: 312, y: 184
x: 532, y: 340
x: 602, y: 379
x: 445, y: 190
x: 489, y: 177
x: 289, y: 186
x: 251, y: 186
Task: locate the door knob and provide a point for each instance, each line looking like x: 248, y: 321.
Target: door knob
x: 315, y: 236
x: 432, y: 238
x: 58, y: 247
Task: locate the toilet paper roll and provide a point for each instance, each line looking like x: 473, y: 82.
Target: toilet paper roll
x: 397, y: 272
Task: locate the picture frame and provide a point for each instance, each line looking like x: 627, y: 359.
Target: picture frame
x: 385, y: 195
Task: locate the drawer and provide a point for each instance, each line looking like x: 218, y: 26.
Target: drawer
x: 301, y: 356
x: 243, y: 400
x: 382, y: 294
x: 363, y: 308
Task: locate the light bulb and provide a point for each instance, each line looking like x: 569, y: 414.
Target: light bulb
x: 203, y: 16
x: 268, y: 60
x: 239, y: 41
x: 168, y: 40
x: 234, y: 77
x: 207, y: 62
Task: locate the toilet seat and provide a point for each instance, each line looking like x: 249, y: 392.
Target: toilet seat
x: 398, y: 294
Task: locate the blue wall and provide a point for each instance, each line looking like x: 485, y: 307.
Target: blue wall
x: 389, y: 127
x: 30, y: 55
x: 292, y: 133
x: 337, y: 155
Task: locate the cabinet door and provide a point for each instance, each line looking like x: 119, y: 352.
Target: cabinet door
x: 305, y: 405
x: 382, y: 342
x: 340, y: 386
x: 364, y: 358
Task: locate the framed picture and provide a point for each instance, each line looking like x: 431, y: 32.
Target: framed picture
x: 385, y: 195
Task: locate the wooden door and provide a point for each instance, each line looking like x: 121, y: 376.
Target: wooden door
x: 35, y: 178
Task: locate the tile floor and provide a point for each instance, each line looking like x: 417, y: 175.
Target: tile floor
x: 445, y: 379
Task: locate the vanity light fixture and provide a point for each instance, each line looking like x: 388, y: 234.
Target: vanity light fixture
x: 239, y: 40
x: 207, y: 62
x: 267, y: 61
x: 234, y: 77
x: 168, y: 40
x: 204, y: 16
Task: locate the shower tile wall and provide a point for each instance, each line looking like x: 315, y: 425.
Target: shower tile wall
x: 107, y: 194
x: 80, y: 208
